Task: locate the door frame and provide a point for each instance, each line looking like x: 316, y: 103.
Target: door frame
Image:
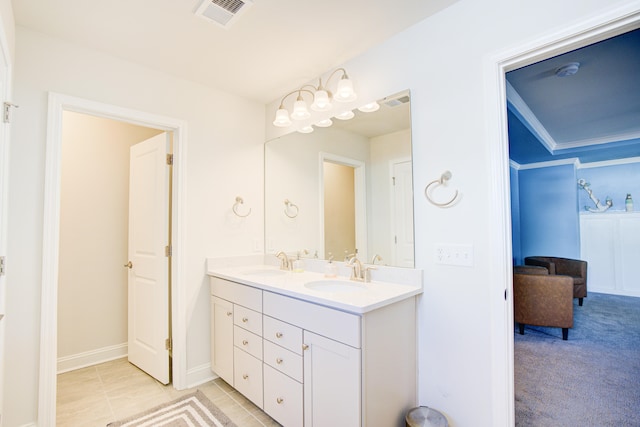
x: 360, y: 191
x: 586, y: 31
x: 51, y: 235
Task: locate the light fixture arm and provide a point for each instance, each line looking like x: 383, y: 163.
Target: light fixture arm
x: 298, y: 91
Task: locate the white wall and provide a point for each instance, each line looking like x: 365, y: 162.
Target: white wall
x: 224, y: 132
x: 442, y: 62
x: 94, y: 201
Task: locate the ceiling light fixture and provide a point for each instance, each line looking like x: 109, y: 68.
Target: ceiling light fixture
x: 568, y: 69
x: 322, y: 100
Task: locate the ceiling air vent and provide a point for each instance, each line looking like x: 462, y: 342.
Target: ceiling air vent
x: 395, y: 101
x: 223, y: 12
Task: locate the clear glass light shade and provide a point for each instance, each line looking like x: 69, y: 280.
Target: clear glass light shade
x: 282, y: 118
x: 306, y: 129
x: 345, y: 92
x: 300, y: 111
x: 370, y: 107
x: 321, y: 101
x: 324, y: 123
x: 345, y: 115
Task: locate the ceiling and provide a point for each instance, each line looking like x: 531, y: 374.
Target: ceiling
x: 593, y: 115
x: 274, y: 46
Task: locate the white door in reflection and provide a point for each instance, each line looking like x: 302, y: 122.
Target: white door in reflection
x: 402, y: 214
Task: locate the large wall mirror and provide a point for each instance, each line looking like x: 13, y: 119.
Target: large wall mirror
x: 344, y: 188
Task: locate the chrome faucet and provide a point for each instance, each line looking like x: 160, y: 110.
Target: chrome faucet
x: 285, y: 264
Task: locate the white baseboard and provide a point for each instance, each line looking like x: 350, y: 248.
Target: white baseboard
x: 90, y: 358
x: 200, y: 375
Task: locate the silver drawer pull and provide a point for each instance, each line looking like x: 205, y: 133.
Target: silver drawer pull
x: 245, y: 376
x: 229, y: 313
x: 245, y: 320
x: 245, y: 342
x: 278, y: 334
x: 279, y: 400
x: 279, y: 361
x: 305, y: 346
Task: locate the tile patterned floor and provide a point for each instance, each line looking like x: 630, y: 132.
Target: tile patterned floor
x: 97, y: 395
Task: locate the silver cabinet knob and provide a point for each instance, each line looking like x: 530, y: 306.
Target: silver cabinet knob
x: 245, y: 342
x: 305, y: 346
x: 245, y: 376
x: 129, y: 265
x: 278, y: 334
x: 245, y: 320
x: 229, y: 313
x: 279, y: 361
x: 279, y: 400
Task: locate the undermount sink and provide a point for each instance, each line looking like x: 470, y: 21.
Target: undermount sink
x: 264, y: 272
x: 335, y: 286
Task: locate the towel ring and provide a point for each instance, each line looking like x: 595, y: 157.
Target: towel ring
x: 287, y: 206
x: 446, y: 175
x: 239, y: 202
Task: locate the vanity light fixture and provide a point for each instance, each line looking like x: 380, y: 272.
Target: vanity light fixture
x: 370, y: 107
x: 345, y: 115
x: 321, y: 96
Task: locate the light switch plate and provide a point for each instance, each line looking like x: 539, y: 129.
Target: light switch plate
x: 450, y: 254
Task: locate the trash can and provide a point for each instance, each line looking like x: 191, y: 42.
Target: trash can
x: 423, y: 416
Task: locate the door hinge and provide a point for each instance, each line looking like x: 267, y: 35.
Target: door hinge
x: 7, y: 110
x: 168, y: 251
x: 168, y: 344
x: 2, y: 266
x: 170, y: 159
x: 393, y: 178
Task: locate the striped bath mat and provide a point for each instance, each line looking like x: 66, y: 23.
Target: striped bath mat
x: 191, y: 410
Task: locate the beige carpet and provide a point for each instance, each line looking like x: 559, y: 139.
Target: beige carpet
x: 191, y: 410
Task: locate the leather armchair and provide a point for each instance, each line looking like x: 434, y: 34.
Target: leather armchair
x: 543, y: 300
x: 576, y: 269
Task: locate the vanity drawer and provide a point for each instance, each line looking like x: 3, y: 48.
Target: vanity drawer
x: 283, y: 398
x: 245, y: 340
x: 236, y: 293
x: 247, y: 319
x: 283, y: 360
x: 338, y: 325
x: 283, y: 334
x: 247, y: 376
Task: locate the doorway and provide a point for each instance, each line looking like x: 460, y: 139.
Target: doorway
x: 94, y: 212
x: 58, y: 104
x: 587, y: 32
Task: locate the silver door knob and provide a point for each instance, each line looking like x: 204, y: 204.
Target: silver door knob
x: 129, y: 265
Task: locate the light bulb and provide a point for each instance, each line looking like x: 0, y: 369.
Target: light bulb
x: 346, y: 115
x: 345, y: 92
x: 370, y: 107
x: 321, y: 101
x: 282, y: 118
x: 324, y: 123
x: 306, y: 129
x: 300, y: 111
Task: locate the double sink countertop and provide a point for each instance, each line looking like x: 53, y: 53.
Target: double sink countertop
x: 387, y: 285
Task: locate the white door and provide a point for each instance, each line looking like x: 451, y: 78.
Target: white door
x: 149, y: 177
x: 402, y: 219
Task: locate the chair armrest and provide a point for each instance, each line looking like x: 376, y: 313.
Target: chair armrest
x: 571, y: 267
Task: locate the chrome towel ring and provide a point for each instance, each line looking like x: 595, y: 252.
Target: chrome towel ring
x: 446, y: 175
x: 288, y: 207
x: 239, y: 202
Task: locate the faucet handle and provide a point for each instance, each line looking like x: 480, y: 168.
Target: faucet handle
x: 366, y: 272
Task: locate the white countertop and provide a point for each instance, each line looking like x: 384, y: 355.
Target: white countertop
x: 359, y: 298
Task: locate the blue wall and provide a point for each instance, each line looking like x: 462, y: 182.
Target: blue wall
x: 548, y: 211
x: 613, y: 181
x: 515, y: 218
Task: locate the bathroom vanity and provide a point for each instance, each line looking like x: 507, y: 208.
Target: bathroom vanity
x: 312, y: 351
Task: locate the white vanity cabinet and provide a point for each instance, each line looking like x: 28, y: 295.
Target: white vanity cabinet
x: 319, y: 366
x: 236, y: 337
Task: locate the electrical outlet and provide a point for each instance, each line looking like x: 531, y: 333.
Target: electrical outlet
x: 449, y: 254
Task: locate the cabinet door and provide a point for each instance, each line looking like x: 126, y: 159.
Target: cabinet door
x: 629, y: 255
x: 222, y: 338
x: 332, y: 390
